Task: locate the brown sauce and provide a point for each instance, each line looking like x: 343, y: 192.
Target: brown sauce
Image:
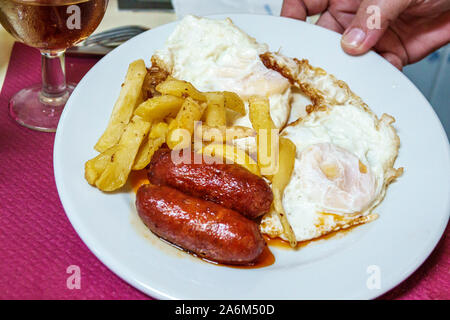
x: 264, y: 260
x: 283, y: 244
x: 137, y: 179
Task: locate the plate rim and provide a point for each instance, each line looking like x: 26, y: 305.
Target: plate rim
x: 108, y: 260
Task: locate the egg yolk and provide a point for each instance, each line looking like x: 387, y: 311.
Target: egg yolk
x: 335, y: 180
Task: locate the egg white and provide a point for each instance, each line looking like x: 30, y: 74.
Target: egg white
x: 340, y: 120
x: 215, y: 55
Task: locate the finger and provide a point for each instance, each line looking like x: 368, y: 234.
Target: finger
x: 300, y: 9
x: 391, y: 45
x: 335, y: 20
x: 294, y: 9
x: 314, y: 7
x: 393, y: 59
x: 370, y: 23
x: 328, y: 21
x: 344, y: 18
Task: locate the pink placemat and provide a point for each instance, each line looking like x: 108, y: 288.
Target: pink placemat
x: 37, y: 241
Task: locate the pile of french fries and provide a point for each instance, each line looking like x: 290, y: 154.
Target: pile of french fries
x: 138, y: 128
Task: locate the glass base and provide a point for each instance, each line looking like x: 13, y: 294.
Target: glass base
x: 30, y: 108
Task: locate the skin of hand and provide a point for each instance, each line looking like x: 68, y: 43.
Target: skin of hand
x: 402, y: 31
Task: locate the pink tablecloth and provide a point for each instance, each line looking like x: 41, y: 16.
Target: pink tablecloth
x: 37, y: 242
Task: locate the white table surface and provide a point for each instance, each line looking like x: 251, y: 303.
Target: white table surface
x: 113, y: 18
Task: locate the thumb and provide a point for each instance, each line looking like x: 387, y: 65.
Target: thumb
x: 370, y: 23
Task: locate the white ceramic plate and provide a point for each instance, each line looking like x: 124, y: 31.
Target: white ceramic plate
x: 412, y: 217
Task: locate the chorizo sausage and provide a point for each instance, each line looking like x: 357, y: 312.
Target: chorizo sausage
x: 202, y: 227
x: 229, y: 185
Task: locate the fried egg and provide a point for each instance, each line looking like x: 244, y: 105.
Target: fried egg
x: 345, y: 154
x: 215, y: 55
x: 344, y: 157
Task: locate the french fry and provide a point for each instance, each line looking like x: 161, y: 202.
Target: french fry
x: 182, y: 127
x: 231, y: 101
x: 95, y: 167
x: 234, y: 102
x: 224, y: 134
x: 215, y: 114
x: 140, y: 99
x: 117, y: 170
x: 181, y: 89
x: 279, y: 182
x: 266, y: 134
x: 169, y: 120
x: 159, y: 130
x: 232, y: 154
x: 151, y: 143
x: 124, y: 106
x: 157, y: 108
x: 142, y: 158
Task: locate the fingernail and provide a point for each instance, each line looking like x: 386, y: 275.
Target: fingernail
x: 354, y: 37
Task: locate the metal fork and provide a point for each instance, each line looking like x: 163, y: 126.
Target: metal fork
x: 114, y: 37
x: 101, y: 43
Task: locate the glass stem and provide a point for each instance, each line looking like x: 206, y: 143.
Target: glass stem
x: 53, y: 76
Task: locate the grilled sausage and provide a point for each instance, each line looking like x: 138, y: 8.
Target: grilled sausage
x: 202, y: 227
x: 229, y: 185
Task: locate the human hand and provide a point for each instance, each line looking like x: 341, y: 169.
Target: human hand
x: 402, y: 31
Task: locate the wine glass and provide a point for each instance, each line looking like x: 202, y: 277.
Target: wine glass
x: 52, y: 26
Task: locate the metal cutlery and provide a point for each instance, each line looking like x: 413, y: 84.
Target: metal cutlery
x: 101, y: 43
